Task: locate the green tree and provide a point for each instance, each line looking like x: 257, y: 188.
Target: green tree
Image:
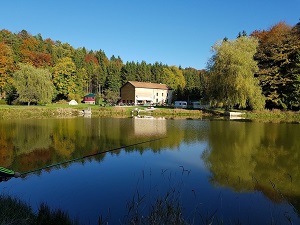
x: 193, y: 84
x: 102, y: 69
x: 33, y: 84
x: 156, y: 72
x: 232, y: 68
x: 143, y: 72
x: 128, y: 72
x: 62, y: 50
x: 173, y: 77
x: 112, y: 97
x: 78, y: 57
x: 113, y: 79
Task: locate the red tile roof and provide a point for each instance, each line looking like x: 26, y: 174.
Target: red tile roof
x: 149, y: 85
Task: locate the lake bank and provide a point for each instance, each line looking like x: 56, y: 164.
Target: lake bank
x: 64, y: 110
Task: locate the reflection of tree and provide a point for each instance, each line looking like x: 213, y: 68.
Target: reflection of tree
x: 40, y: 143
x: 31, y: 135
x: 6, y: 148
x: 255, y: 156
x: 33, y: 160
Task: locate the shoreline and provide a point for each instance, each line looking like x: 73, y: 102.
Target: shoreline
x: 67, y: 111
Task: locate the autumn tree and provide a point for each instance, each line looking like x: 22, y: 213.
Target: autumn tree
x: 33, y: 50
x: 33, y: 85
x: 13, y: 41
x: 278, y: 60
x: 6, y: 65
x: 91, y: 65
x: 232, y: 68
x: 67, y: 83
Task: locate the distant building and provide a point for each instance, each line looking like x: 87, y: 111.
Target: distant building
x: 141, y: 93
x: 89, y: 99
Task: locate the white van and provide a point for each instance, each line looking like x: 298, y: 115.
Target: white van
x: 180, y: 104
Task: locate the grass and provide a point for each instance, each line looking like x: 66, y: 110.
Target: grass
x: 165, y: 210
x: 14, y: 211
x: 65, y: 110
x: 274, y: 115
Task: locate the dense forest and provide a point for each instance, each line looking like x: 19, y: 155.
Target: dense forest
x: 256, y: 71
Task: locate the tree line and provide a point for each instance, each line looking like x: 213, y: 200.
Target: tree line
x: 258, y: 71
x: 37, y: 70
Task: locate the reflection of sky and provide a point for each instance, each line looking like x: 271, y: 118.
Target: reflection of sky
x: 189, y: 154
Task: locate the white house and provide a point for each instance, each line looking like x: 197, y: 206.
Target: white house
x: 140, y: 93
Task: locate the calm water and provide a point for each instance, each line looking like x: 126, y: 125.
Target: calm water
x: 233, y: 171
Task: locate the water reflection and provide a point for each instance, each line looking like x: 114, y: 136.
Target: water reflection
x: 256, y: 157
x: 242, y: 156
x: 31, y: 144
x: 149, y: 126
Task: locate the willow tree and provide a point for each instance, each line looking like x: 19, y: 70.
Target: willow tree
x: 33, y: 84
x: 232, y: 68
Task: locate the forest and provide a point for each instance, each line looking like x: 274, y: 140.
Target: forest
x: 256, y: 71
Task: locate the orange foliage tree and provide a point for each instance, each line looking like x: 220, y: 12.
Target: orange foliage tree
x: 6, y: 65
x: 278, y: 57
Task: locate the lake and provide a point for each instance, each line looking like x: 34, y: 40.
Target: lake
x: 220, y: 170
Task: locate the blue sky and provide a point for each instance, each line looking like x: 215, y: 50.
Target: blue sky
x: 177, y: 32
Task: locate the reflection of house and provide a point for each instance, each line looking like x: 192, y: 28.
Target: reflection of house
x: 140, y: 93
x: 149, y: 126
x: 89, y: 99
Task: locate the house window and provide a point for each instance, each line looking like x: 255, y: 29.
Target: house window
x: 162, y: 94
x: 156, y: 94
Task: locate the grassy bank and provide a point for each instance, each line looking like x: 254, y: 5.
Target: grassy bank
x: 65, y: 110
x: 274, y: 116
